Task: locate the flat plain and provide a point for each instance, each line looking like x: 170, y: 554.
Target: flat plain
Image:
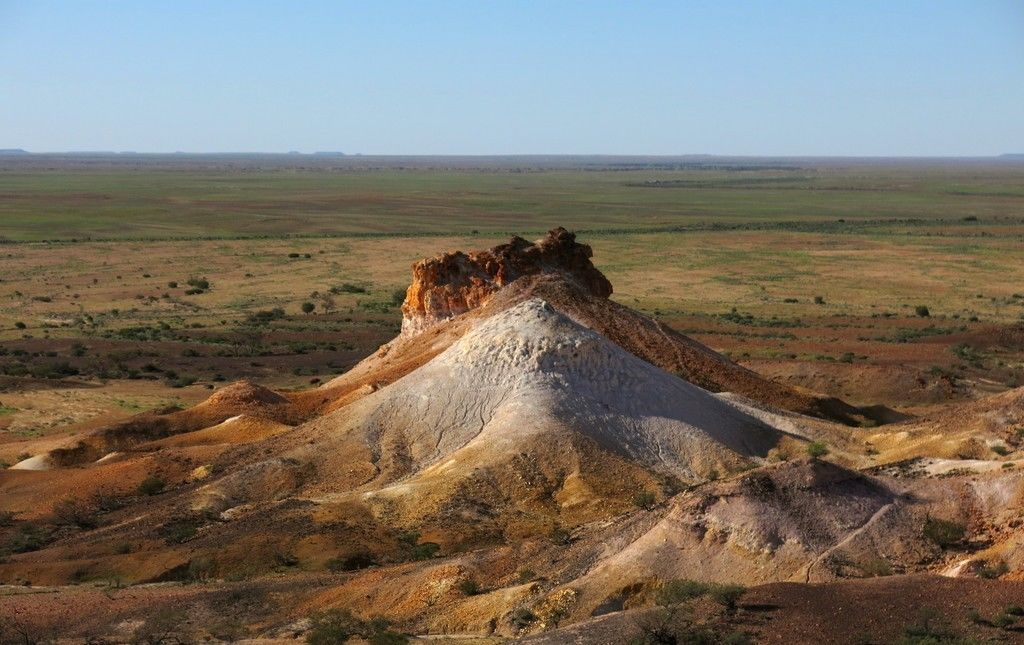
x: 809, y: 271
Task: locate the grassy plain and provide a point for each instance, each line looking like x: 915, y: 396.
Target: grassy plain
x: 65, y: 202
x: 735, y: 256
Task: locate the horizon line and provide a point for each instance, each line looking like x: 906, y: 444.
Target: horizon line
x: 14, y: 152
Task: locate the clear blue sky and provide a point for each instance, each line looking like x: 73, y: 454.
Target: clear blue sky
x: 772, y: 77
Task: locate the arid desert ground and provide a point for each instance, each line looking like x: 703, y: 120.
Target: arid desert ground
x: 550, y: 399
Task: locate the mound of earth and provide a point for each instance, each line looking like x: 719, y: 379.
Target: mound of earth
x: 987, y: 430
x: 451, y: 293
x: 245, y: 395
x: 530, y: 370
x: 231, y: 401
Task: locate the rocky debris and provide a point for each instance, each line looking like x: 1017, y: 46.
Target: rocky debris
x: 454, y: 283
x: 244, y: 394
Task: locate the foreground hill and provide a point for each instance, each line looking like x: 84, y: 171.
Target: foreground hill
x: 526, y: 454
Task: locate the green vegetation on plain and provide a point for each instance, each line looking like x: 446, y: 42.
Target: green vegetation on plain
x: 153, y: 202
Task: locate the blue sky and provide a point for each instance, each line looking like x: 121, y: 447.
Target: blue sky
x: 780, y: 77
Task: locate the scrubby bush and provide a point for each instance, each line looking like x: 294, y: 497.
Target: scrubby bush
x: 521, y: 618
x: 676, y: 591
x: 180, y: 530
x: 351, y: 562
x: 1002, y: 621
x: 200, y: 569
x: 198, y: 283
x: 19, y: 325
x: 645, y: 499
x: 182, y: 381
x: 29, y: 537
x: 876, y: 568
x: 416, y: 550
x: 992, y: 570
x: 75, y: 513
x: 944, y: 532
x: 817, y: 449
x: 425, y: 550
x: 469, y: 587
x: 348, y: 288
x: 308, y: 307
x: 151, y: 485
x: 922, y: 311
x: 264, y: 316
x: 819, y: 300
x: 162, y: 627
x: 340, y: 625
x: 930, y: 629
x: 727, y: 595
x: 560, y: 536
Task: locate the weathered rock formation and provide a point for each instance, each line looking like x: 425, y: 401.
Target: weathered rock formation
x: 454, y: 283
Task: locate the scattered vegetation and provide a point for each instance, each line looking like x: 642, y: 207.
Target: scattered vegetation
x: 348, y: 287
x: 198, y: 284
x: 162, y: 627
x: 750, y: 320
x: 416, y: 550
x: 679, y: 591
x: 993, y: 569
x: 817, y: 449
x: 469, y: 587
x: 645, y: 499
x: 560, y: 537
x: 931, y: 629
x: 907, y: 334
x: 336, y: 626
x: 75, y: 513
x: 151, y: 485
x: 876, y: 568
x: 28, y: 537
x: 352, y: 561
x: 968, y: 354
x: 521, y: 618
x: 181, y: 529
x: 944, y: 533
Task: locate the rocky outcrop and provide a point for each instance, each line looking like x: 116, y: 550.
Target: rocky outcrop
x: 454, y: 283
